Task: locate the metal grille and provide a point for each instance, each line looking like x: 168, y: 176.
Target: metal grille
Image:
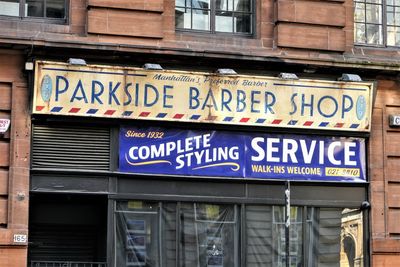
x: 71, y: 147
x: 66, y: 264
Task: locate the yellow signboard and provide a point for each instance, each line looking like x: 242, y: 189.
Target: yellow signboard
x: 133, y: 93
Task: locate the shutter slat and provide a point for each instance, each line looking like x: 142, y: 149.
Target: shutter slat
x: 71, y: 147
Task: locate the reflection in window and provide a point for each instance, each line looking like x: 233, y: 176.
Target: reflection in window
x: 229, y: 16
x: 351, y: 254
x: 166, y: 234
x: 280, y: 239
x: 34, y: 8
x: 211, y: 232
x: 369, y: 20
x: 393, y: 22
x: 137, y: 231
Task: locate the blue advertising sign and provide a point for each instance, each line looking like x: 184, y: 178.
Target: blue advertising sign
x: 241, y: 155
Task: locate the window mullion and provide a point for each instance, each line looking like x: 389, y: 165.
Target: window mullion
x: 212, y: 16
x: 178, y: 234
x: 384, y: 22
x: 22, y: 8
x: 45, y: 8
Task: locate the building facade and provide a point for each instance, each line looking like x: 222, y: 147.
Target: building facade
x: 214, y: 154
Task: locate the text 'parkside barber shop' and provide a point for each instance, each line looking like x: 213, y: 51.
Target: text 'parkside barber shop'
x: 134, y: 93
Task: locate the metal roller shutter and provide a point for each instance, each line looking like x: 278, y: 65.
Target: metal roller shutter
x: 71, y: 147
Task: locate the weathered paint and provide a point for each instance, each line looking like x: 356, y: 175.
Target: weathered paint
x: 121, y: 92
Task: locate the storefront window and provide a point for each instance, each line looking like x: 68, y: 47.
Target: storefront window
x: 221, y: 235
x: 137, y: 234
x: 210, y: 231
x: 295, y: 238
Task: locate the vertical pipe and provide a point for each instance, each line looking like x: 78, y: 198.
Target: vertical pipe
x: 287, y: 222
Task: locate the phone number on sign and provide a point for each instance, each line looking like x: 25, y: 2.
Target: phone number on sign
x: 346, y: 172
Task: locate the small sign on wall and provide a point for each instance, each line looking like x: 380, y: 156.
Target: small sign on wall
x: 4, y: 125
x: 394, y: 120
x: 18, y: 238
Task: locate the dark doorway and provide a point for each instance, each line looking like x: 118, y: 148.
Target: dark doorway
x: 67, y: 228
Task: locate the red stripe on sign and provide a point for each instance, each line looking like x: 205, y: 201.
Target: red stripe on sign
x: 74, y: 110
x: 308, y: 123
x: 276, y: 121
x: 178, y: 116
x: 39, y: 108
x: 244, y: 119
x: 339, y: 125
x: 144, y: 114
x: 109, y: 112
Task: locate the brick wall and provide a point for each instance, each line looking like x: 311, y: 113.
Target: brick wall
x: 384, y: 162
x: 14, y: 159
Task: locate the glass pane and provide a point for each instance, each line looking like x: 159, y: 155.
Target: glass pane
x: 389, y: 2
x: 9, y: 8
x: 204, y: 4
x: 169, y: 234
x: 201, y: 20
x: 259, y: 246
x: 374, y: 14
x: 397, y: 37
x: 35, y: 8
x: 224, y: 22
x: 359, y: 34
x: 374, y: 1
x: 55, y: 9
x: 183, y: 3
x: 374, y: 34
x: 334, y: 235
x: 351, y: 252
x: 359, y: 12
x: 137, y: 234
x: 224, y: 5
x: 242, y: 5
x: 397, y: 2
x: 209, y: 236
x: 242, y: 23
x: 390, y: 15
x: 182, y: 19
x: 397, y: 17
x: 393, y: 36
x: 295, y: 237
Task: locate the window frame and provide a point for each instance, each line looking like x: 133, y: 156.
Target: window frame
x: 21, y: 17
x: 383, y: 24
x: 240, y: 233
x: 213, y: 11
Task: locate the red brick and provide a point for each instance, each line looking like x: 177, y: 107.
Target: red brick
x: 153, y: 5
x: 310, y: 37
x: 311, y: 12
x: 3, y: 210
x: 78, y: 16
x: 13, y: 256
x: 3, y: 182
x: 392, y: 144
x: 125, y: 23
x: 4, y: 154
x: 393, y: 221
x: 5, y: 96
x: 393, y: 195
x: 378, y: 214
x: 385, y: 260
